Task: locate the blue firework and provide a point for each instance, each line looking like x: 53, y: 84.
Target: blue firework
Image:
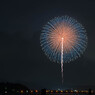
x: 74, y: 43
x: 63, y: 39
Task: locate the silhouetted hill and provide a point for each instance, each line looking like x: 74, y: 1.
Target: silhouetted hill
x: 12, y: 87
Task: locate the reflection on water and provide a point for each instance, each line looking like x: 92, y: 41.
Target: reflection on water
x: 69, y: 94
x: 65, y: 94
x: 50, y: 94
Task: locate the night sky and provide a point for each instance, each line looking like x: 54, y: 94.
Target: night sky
x: 21, y: 57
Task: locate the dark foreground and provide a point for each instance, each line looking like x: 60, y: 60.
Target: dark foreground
x: 20, y: 89
x: 51, y: 94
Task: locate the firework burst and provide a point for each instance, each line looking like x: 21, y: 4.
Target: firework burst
x: 63, y: 39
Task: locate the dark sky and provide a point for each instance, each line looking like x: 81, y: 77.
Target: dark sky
x: 21, y: 57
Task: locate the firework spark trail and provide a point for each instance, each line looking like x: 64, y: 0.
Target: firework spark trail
x: 62, y: 60
x: 63, y: 39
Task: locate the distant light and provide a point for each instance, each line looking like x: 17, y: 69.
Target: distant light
x: 71, y: 91
x: 17, y: 91
x: 86, y: 91
x: 31, y: 91
x: 82, y: 91
x: 51, y: 91
x: 5, y: 91
x: 76, y: 91
x: 92, y: 91
x: 66, y: 91
x: 61, y: 91
x: 36, y: 91
x: 26, y: 91
x: 21, y: 91
x: 47, y: 91
x: 56, y: 91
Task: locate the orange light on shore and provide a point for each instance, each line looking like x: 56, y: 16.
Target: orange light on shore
x: 66, y: 91
x: 31, y: 91
x: 77, y: 91
x: 56, y: 91
x: 47, y: 91
x: 61, y: 91
x: 86, y: 91
x: 71, y: 91
x: 21, y: 91
x: 82, y: 91
x: 92, y: 91
x: 51, y: 91
x: 36, y: 91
